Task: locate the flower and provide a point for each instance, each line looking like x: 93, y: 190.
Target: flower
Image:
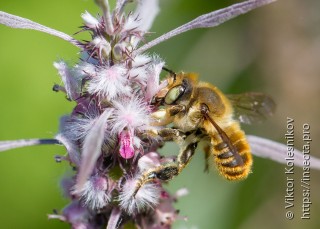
x: 90, y: 21
x: 109, y: 82
x: 109, y: 136
x: 132, y: 113
x: 126, y: 144
x: 94, y: 193
x: 147, y: 197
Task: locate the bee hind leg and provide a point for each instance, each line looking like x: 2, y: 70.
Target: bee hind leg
x: 163, y: 172
x: 168, y: 171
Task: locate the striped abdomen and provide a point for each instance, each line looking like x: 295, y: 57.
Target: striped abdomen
x: 233, y: 163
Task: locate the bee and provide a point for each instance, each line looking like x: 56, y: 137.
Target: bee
x: 199, y: 111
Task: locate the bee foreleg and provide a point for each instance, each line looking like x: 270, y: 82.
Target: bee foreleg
x: 170, y: 134
x: 175, y: 109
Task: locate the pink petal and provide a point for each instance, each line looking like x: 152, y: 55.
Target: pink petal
x: 126, y: 144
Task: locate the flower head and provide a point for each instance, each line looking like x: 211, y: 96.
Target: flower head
x: 109, y: 83
x: 147, y: 197
x: 95, y: 192
x: 132, y: 113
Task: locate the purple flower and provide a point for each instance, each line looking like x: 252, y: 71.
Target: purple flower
x: 147, y: 197
x: 95, y: 192
x: 110, y: 82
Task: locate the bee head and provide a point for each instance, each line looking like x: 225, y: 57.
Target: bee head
x: 179, y: 88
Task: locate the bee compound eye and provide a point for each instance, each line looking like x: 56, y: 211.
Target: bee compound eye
x: 174, y: 94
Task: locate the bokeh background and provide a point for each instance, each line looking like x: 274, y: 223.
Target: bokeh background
x: 275, y: 50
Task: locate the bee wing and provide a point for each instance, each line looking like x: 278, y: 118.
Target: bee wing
x: 224, y: 137
x: 252, y: 107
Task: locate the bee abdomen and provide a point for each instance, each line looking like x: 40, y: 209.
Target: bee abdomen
x: 233, y: 165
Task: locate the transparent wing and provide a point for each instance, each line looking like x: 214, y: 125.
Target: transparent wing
x: 252, y: 107
x: 224, y: 137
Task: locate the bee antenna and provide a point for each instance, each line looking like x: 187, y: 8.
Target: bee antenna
x: 172, y: 73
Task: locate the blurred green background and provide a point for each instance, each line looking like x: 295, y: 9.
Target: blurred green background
x: 275, y: 49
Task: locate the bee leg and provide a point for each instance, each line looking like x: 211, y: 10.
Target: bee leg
x: 175, y: 109
x: 166, y: 134
x: 207, y: 153
x: 163, y: 172
x: 170, y: 134
x: 185, y: 156
x: 168, y: 171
